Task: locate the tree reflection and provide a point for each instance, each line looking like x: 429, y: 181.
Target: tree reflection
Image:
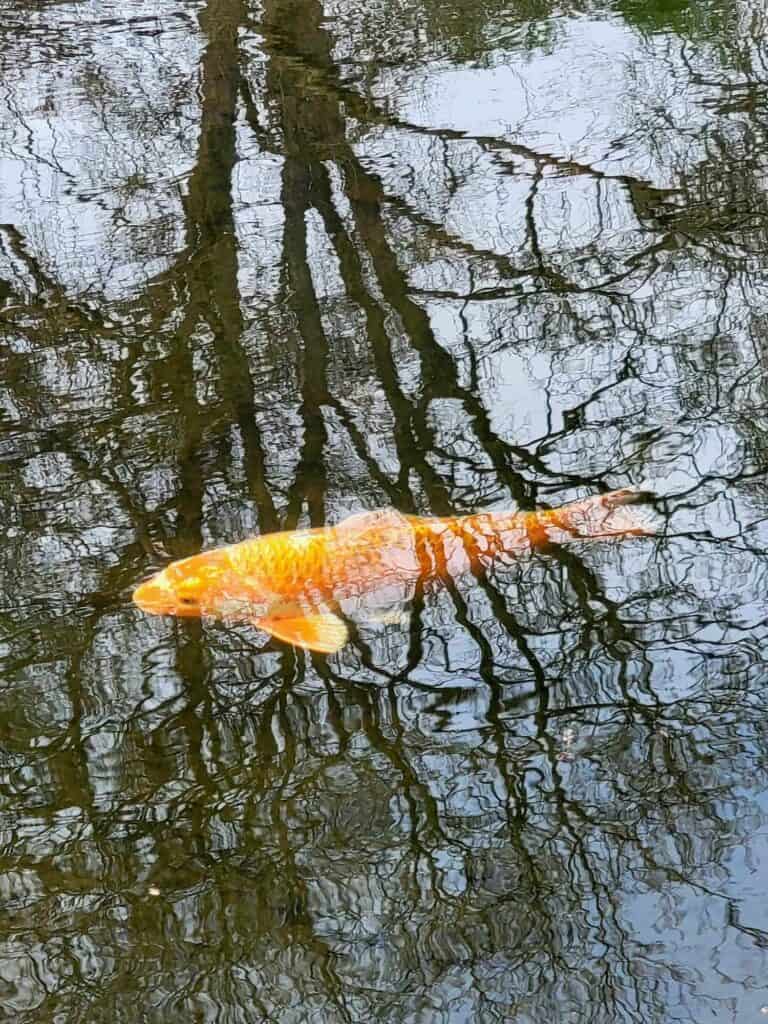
x: 294, y: 294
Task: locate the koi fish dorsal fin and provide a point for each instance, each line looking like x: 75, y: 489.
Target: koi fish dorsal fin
x: 323, y: 632
x: 374, y: 519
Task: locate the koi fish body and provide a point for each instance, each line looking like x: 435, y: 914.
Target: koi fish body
x: 294, y: 584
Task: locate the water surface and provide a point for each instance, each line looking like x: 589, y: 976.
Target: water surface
x: 262, y: 266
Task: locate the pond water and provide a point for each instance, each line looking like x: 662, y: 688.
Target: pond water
x: 266, y: 265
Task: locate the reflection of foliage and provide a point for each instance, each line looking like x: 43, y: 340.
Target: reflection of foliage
x: 504, y: 808
x: 701, y: 21
x: 457, y: 30
x: 661, y: 15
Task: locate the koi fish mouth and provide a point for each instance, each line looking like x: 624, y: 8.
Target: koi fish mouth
x: 156, y: 596
x: 151, y: 597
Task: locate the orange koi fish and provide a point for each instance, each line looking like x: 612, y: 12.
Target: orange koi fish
x: 300, y: 585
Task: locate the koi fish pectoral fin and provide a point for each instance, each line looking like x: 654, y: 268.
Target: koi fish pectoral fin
x: 325, y: 633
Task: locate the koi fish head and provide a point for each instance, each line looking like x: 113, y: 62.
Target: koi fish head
x: 190, y: 587
x: 209, y: 584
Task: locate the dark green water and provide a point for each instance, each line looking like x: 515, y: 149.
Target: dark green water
x: 266, y: 265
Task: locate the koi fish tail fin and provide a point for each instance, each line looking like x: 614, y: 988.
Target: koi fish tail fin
x: 623, y: 513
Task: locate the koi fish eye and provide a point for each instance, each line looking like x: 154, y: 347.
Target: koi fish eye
x: 187, y: 601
